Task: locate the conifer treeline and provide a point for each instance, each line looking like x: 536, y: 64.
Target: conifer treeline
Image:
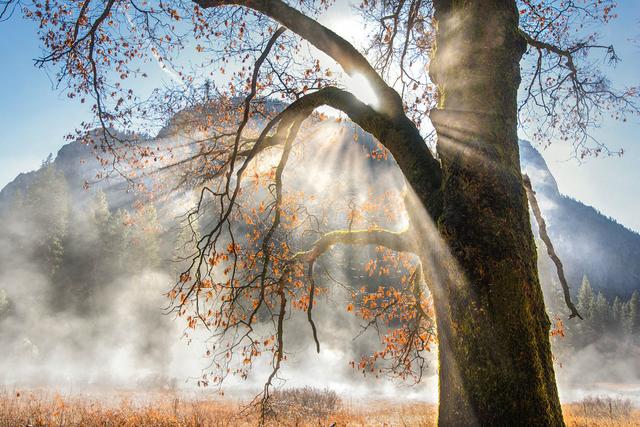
x: 66, y: 256
x: 601, y: 316
x: 80, y: 247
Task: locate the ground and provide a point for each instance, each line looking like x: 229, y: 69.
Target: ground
x: 126, y: 408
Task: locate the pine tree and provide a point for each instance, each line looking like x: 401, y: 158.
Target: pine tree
x: 586, y: 298
x: 116, y: 236
x: 100, y: 209
x: 601, y: 314
x: 13, y: 232
x: 145, y: 242
x: 617, y: 315
x: 633, y: 316
x: 585, y: 332
x: 46, y: 213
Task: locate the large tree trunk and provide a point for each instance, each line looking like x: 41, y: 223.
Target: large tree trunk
x: 495, y: 358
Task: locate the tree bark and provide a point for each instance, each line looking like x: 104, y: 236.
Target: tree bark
x: 495, y: 357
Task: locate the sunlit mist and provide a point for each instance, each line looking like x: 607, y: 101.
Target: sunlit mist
x: 361, y: 88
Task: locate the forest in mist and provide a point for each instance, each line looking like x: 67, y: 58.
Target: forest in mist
x: 85, y: 273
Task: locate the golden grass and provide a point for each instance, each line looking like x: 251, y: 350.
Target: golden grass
x: 600, y: 413
x: 43, y: 408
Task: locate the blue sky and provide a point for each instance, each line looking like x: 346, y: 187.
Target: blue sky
x: 35, y: 117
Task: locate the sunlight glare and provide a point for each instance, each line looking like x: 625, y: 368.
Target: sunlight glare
x: 358, y: 85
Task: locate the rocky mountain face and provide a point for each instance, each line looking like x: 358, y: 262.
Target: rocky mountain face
x: 588, y: 242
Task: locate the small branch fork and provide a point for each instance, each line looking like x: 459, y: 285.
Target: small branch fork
x: 531, y: 195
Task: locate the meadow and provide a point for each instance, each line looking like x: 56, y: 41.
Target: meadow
x: 296, y: 407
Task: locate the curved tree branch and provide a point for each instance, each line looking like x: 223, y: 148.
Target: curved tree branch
x: 400, y: 137
x: 394, y: 240
x: 325, y: 40
x: 397, y: 241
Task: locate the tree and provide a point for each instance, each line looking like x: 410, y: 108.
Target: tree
x: 633, y: 314
x: 617, y: 309
x: 99, y: 210
x: 587, y: 307
x: 145, y: 244
x: 4, y: 304
x: 586, y: 298
x: 469, y: 232
x: 46, y: 209
x: 601, y: 319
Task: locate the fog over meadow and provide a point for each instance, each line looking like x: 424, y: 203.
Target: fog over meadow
x: 84, y: 276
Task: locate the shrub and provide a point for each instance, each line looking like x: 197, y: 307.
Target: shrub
x: 303, y: 403
x: 604, y: 406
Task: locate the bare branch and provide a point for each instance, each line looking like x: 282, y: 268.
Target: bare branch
x: 312, y: 291
x: 7, y: 8
x: 252, y: 93
x: 572, y: 94
x: 531, y: 195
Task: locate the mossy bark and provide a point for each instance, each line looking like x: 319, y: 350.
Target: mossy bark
x: 495, y: 358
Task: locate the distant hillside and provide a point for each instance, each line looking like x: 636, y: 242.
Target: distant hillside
x: 588, y: 242
x: 78, y: 164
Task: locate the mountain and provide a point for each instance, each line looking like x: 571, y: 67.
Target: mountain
x: 588, y: 242
x: 78, y: 163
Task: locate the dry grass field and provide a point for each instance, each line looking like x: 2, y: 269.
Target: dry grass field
x: 304, y: 407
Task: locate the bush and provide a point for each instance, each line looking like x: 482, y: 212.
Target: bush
x: 303, y: 403
x: 598, y: 407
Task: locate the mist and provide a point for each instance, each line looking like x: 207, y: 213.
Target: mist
x: 83, y: 284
